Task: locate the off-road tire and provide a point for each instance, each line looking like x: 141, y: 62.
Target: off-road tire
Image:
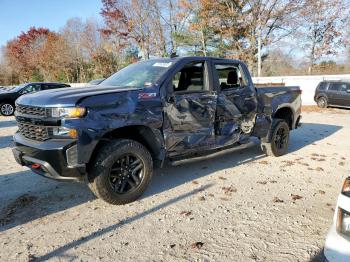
x: 271, y: 148
x: 322, y: 102
x: 5, y: 107
x: 99, y: 173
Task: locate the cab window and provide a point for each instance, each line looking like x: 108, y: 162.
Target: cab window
x: 338, y: 87
x: 231, y: 76
x: 191, y: 78
x: 31, y: 88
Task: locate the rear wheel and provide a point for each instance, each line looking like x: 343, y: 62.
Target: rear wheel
x: 279, y: 139
x: 7, y: 109
x: 322, y: 102
x: 121, y: 172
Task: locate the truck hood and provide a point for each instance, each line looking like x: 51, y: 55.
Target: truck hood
x: 67, y: 96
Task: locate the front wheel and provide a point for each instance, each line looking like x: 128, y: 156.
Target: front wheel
x: 279, y: 139
x: 121, y: 172
x: 7, y: 109
x: 322, y: 102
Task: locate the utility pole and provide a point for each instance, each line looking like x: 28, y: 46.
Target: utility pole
x: 259, y: 54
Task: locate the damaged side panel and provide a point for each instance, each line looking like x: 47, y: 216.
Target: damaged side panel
x: 108, y: 113
x: 189, y: 122
x: 235, y: 115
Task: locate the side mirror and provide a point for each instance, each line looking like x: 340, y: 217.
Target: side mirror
x: 348, y: 91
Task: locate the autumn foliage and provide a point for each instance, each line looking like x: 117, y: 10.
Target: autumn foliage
x: 250, y: 30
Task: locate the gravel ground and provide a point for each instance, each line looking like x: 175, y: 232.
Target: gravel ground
x: 242, y: 206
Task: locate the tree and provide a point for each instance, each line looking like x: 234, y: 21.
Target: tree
x: 22, y: 52
x: 321, y: 30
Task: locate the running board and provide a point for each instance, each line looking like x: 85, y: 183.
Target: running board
x: 212, y: 155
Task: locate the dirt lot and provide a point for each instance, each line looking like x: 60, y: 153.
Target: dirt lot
x: 243, y: 206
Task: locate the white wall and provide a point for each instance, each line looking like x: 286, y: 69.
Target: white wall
x: 307, y: 84
x: 78, y: 84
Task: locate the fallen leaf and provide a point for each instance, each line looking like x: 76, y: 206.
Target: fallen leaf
x: 222, y: 178
x: 197, y: 245
x: 229, y: 190
x: 224, y: 198
x: 319, y: 169
x: 277, y: 200
x: 186, y: 213
x: 314, y: 154
x: 342, y: 163
x: 321, y: 192
x: 202, y: 198
x: 263, y: 162
x: 211, y: 195
x: 262, y: 182
x: 195, y: 182
x: 288, y: 163
x: 273, y: 181
x: 296, y: 197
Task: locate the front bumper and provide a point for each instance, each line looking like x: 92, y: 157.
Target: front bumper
x: 52, y: 158
x: 337, y: 247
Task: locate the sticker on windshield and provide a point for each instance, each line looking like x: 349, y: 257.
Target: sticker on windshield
x: 166, y: 65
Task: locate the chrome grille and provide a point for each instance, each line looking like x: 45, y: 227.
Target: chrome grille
x: 34, y: 132
x: 31, y: 110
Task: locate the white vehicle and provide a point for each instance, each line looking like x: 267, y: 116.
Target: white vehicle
x: 337, y: 247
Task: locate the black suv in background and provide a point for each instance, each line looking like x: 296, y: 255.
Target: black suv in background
x: 9, y: 96
x: 333, y: 93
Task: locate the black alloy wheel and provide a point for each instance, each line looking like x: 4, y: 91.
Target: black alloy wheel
x: 126, y: 173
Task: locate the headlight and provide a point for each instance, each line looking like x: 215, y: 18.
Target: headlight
x: 64, y: 132
x: 68, y: 112
x: 343, y: 225
x: 346, y: 187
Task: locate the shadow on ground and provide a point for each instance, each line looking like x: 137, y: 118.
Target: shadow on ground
x: 50, y: 197
x: 5, y: 141
x: 25, y: 197
x: 7, y: 123
x: 310, y: 133
x: 318, y: 257
x: 59, y: 251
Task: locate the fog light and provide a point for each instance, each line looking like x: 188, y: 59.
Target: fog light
x: 346, y: 187
x: 64, y: 132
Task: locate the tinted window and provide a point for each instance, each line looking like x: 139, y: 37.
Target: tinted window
x: 31, y: 88
x: 337, y: 87
x: 322, y: 86
x: 190, y: 78
x: 231, y: 76
x: 45, y: 86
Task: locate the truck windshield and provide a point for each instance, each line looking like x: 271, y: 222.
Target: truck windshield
x: 139, y: 75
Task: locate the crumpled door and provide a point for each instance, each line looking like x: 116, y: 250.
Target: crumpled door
x: 189, y: 122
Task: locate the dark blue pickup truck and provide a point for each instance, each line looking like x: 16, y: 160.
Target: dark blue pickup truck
x: 149, y: 113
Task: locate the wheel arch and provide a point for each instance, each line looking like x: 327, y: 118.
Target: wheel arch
x: 286, y: 113
x: 151, y: 138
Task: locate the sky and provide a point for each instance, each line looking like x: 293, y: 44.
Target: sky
x: 19, y: 15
